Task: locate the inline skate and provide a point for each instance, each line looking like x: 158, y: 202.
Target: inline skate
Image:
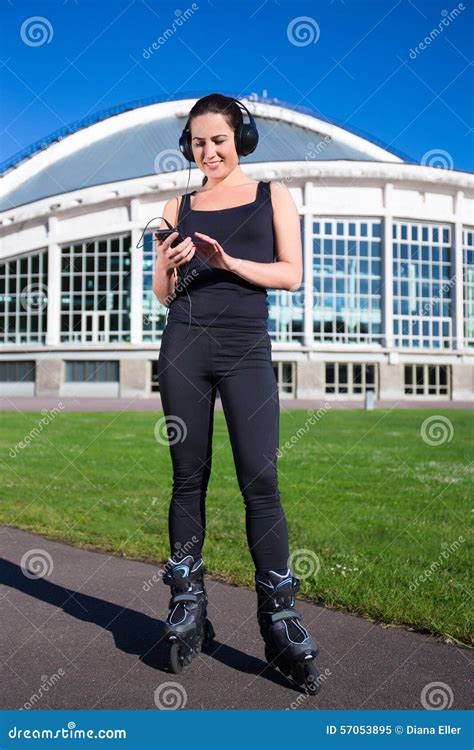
x: 288, y: 645
x: 187, y: 629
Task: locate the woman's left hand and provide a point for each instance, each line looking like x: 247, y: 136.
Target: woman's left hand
x: 212, y: 252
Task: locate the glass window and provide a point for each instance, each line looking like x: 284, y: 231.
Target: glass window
x: 468, y: 271
x: 96, y: 286
x: 17, y: 372
x: 418, y: 297
x: 155, y: 383
x: 350, y: 310
x: 286, y: 309
x: 427, y: 380
x: 84, y: 371
x: 285, y: 376
x: 350, y: 378
x: 24, y: 299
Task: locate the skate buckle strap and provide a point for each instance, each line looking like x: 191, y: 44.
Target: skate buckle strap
x: 285, y: 614
x: 185, y: 598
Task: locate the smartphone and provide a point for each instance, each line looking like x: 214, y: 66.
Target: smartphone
x: 163, y: 234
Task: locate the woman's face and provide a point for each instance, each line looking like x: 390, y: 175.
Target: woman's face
x: 213, y: 145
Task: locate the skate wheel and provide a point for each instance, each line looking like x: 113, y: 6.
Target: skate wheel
x: 209, y: 633
x: 311, y: 679
x: 270, y: 655
x: 284, y: 669
x: 176, y: 659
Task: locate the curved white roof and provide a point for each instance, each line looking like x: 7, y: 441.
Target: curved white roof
x: 143, y: 141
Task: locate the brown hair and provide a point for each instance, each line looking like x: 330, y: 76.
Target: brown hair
x: 219, y: 104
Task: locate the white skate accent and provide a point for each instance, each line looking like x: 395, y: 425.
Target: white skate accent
x: 170, y: 618
x: 264, y: 583
x: 177, y: 562
x: 183, y: 567
x: 281, y: 575
x: 305, y: 632
x: 183, y: 604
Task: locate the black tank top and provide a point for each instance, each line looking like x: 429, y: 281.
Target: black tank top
x: 206, y: 295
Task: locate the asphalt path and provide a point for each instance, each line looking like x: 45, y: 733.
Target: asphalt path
x: 83, y: 630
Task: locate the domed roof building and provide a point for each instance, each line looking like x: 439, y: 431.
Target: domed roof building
x: 387, y: 300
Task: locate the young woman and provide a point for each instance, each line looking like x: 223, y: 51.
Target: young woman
x: 239, y: 237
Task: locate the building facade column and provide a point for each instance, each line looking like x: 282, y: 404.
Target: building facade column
x: 49, y: 376
x: 391, y: 381
x: 136, y: 265
x: 308, y: 286
x: 135, y: 378
x: 387, y: 269
x: 53, y: 334
x: 310, y: 379
x: 457, y: 293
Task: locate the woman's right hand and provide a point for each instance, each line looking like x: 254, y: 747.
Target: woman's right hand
x: 173, y: 257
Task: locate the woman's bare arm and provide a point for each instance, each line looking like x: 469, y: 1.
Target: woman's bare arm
x: 287, y: 271
x: 165, y: 278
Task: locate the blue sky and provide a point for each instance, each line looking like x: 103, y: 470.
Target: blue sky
x: 358, y: 63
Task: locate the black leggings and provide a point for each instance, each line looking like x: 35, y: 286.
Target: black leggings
x: 194, y: 363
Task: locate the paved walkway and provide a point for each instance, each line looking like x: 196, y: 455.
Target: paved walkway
x: 84, y: 637
x: 13, y: 403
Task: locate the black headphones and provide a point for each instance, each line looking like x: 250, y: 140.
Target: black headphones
x: 246, y: 136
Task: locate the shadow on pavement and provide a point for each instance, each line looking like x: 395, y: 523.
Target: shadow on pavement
x: 133, y: 632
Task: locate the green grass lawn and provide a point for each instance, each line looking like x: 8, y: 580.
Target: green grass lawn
x: 383, y: 514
